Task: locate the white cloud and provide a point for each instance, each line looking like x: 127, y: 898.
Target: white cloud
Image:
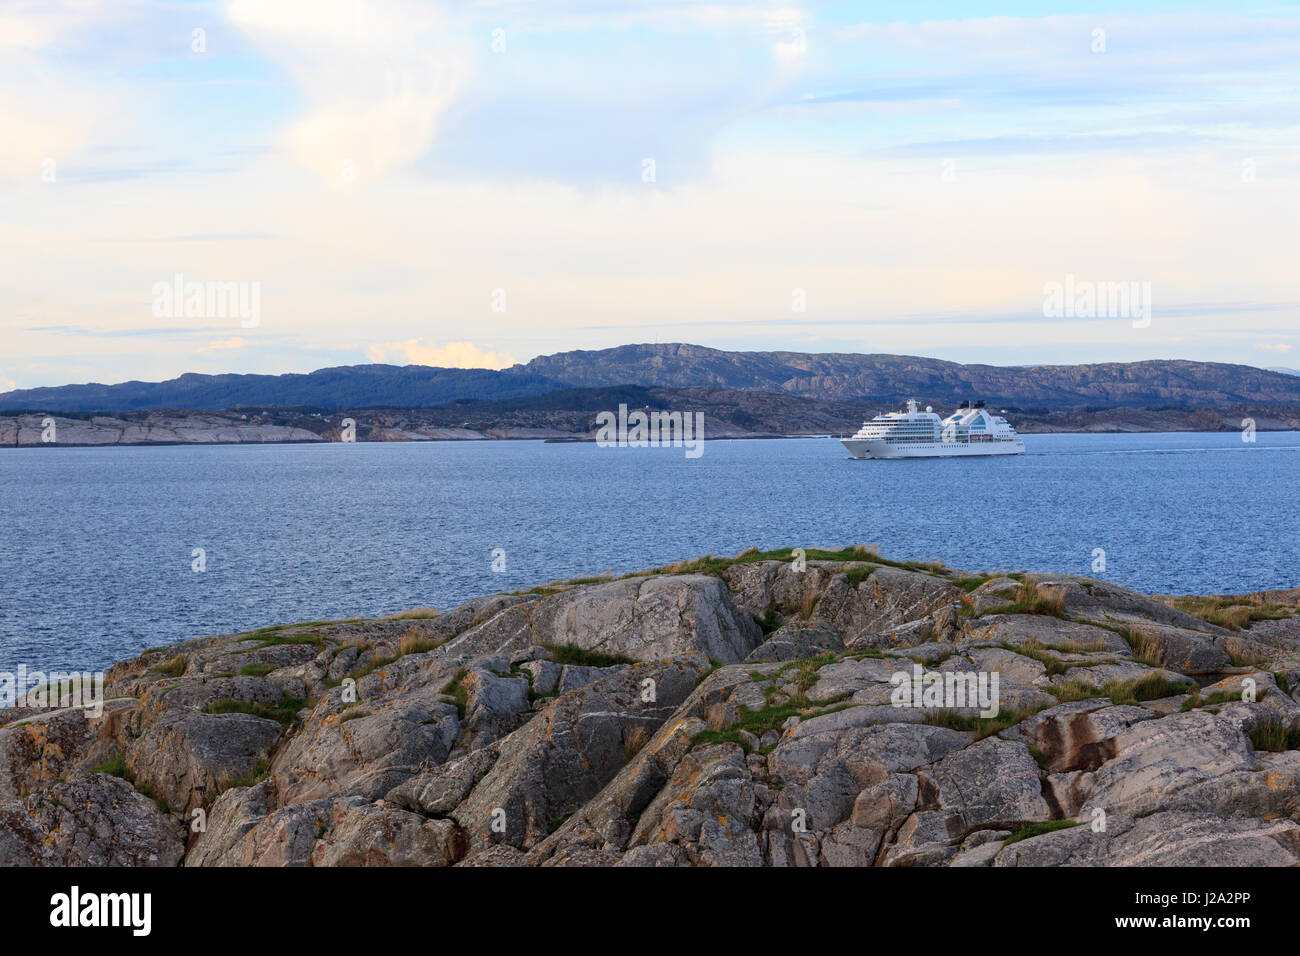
x: 33, y: 24
x: 784, y: 195
x: 1274, y: 347
x: 234, y: 342
x: 563, y: 15
x: 451, y: 355
x: 791, y: 45
x: 376, y: 76
x: 46, y: 118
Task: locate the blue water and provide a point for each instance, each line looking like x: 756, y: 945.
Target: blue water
x: 96, y: 543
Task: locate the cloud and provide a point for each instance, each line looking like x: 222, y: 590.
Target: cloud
x: 46, y: 116
x: 678, y: 15
x: 105, y: 333
x: 376, y: 76
x: 451, y: 355
x: 791, y: 46
x: 1274, y: 347
x: 235, y: 342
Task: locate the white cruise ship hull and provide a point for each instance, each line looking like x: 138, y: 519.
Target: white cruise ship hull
x: 876, y: 448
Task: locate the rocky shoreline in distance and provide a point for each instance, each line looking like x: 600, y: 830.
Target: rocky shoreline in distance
x: 739, y: 711
x: 571, y: 416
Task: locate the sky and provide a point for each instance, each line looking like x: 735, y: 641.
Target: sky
x: 475, y: 183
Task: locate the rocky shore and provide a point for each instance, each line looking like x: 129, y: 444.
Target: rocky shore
x: 728, y: 415
x: 738, y: 711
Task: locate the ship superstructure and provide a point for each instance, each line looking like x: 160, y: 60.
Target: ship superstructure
x: 971, y: 430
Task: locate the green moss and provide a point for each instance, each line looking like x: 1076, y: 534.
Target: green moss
x: 256, y: 670
x: 719, y: 737
x: 455, y: 689
x: 115, y: 766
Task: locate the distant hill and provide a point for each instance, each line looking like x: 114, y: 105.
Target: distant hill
x: 837, y: 377
x: 892, y: 378
x: 348, y: 386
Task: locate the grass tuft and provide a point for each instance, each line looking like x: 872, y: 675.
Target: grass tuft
x: 1072, y: 690
x: 283, y: 711
x: 173, y: 667
x: 1145, y: 648
x: 1230, y: 613
x: 261, y: 768
x: 115, y: 766
x: 1274, y: 735
x: 274, y: 637
x: 769, y: 622
x: 981, y: 726
x: 1029, y: 600
x: 415, y: 614
x: 1153, y: 686
x: 455, y: 689
x: 1038, y: 829
x: 572, y: 654
x: 633, y: 740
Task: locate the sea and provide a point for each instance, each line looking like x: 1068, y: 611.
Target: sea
x: 106, y: 551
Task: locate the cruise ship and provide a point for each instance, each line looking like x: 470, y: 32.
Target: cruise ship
x: 970, y: 430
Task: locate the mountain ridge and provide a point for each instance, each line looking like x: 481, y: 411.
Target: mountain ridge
x: 830, y: 376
